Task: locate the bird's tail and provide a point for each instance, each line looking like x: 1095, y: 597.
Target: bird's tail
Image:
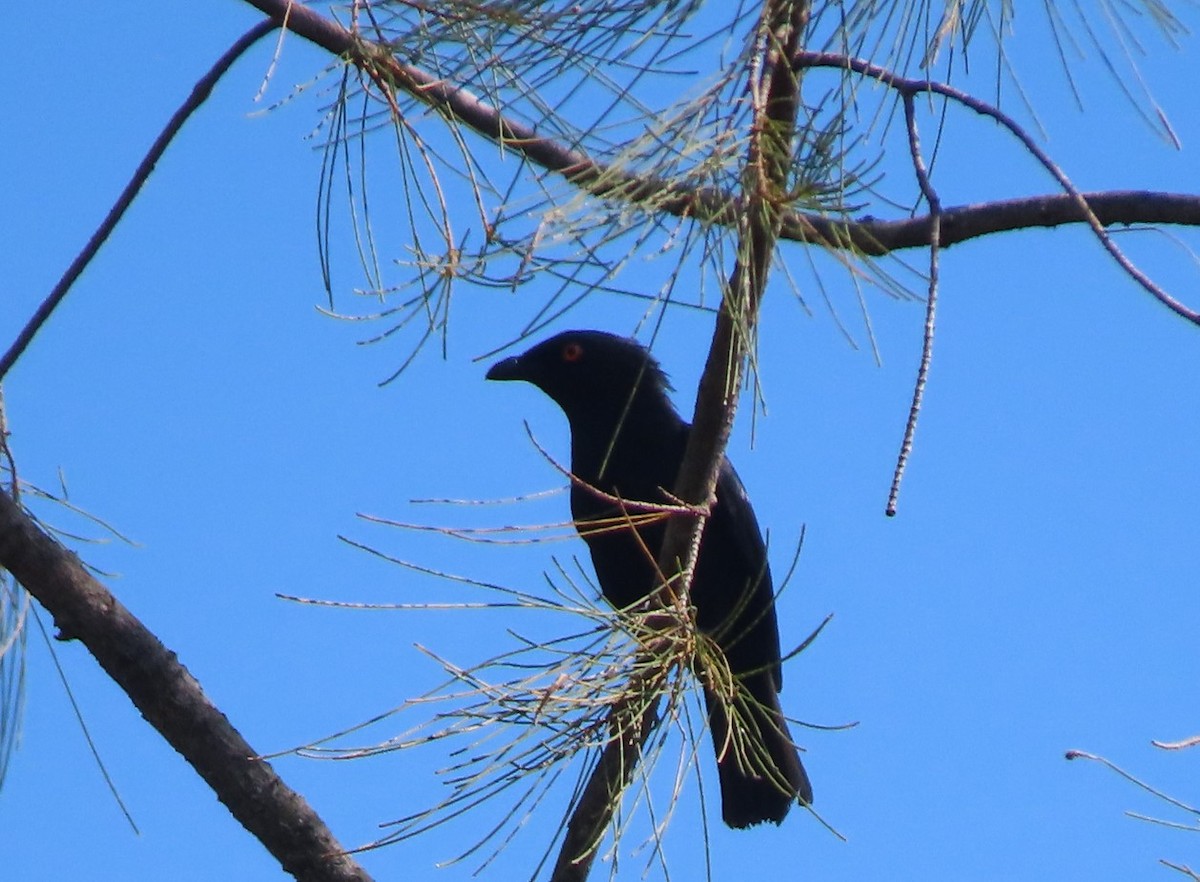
x: 757, y: 762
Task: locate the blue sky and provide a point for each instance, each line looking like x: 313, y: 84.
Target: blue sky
x: 1036, y: 592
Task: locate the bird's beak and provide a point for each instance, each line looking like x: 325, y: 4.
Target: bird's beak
x: 509, y: 369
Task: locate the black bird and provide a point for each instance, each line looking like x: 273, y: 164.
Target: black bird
x: 628, y: 441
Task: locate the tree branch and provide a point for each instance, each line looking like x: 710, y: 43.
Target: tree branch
x: 776, y: 91
x: 198, y: 96
x: 961, y: 223
x: 172, y: 701
x: 776, y: 97
x: 867, y: 235
x: 631, y: 725
x: 908, y: 87
x: 935, y: 213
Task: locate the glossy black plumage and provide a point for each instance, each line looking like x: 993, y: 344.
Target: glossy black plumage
x: 628, y: 440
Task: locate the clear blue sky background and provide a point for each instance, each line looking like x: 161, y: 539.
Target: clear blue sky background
x: 1036, y: 593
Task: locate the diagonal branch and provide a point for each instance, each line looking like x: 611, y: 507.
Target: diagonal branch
x: 172, y: 701
x: 868, y: 236
x: 630, y: 725
x: 777, y: 96
x: 198, y: 96
x: 776, y: 89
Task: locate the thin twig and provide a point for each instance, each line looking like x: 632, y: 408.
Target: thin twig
x: 1182, y: 868
x: 1081, y: 754
x: 907, y: 87
x: 199, y: 95
x: 1178, y: 745
x: 77, y: 711
x: 935, y: 213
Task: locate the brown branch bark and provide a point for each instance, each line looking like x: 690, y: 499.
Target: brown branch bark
x: 759, y: 228
x: 962, y: 223
x: 908, y: 87
x: 631, y: 724
x: 870, y: 236
x: 172, y: 701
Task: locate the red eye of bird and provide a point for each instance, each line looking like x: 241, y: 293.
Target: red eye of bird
x: 572, y: 352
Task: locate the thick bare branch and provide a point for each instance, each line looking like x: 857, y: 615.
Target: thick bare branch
x: 172, y: 701
x: 961, y: 223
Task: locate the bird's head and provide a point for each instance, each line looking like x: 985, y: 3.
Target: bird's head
x: 591, y: 375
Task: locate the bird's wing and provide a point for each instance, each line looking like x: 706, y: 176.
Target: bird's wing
x: 733, y: 517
